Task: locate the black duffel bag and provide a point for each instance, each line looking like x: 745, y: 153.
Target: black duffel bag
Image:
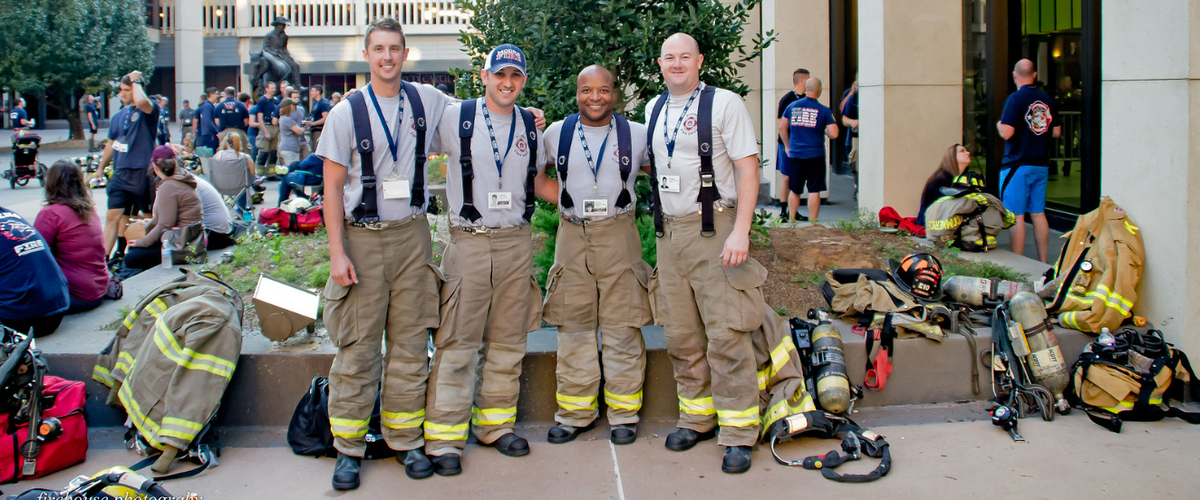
x: 309, y: 432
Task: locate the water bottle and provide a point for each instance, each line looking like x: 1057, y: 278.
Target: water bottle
x: 166, y: 256
x: 1106, y: 338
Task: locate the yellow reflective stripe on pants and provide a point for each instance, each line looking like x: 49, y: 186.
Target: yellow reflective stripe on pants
x: 738, y: 418
x: 102, y: 375
x: 146, y: 427
x: 493, y: 416
x: 779, y: 357
x: 442, y: 432
x: 156, y: 308
x: 698, y: 406
x: 764, y: 377
x: 630, y: 402
x: 347, y: 428
x: 164, y: 338
x: 402, y: 419
x: 575, y: 402
x: 1068, y: 320
x: 171, y: 427
x: 1113, y: 299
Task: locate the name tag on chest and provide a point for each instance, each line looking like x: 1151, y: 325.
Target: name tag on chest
x: 595, y: 208
x: 498, y: 200
x: 120, y: 147
x: 395, y: 190
x: 668, y: 183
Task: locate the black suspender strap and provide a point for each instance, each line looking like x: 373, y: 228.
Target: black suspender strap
x: 708, y: 183
x: 368, y: 209
x: 565, y: 137
x: 624, y: 150
x: 466, y: 129
x: 654, y: 180
x: 418, y: 112
x: 532, y: 169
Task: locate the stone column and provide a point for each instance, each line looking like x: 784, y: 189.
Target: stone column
x: 801, y: 41
x: 245, y: 46
x: 189, y: 50
x: 1150, y: 151
x: 910, y: 96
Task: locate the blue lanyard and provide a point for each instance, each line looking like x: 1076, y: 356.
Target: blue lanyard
x: 487, y: 118
x: 393, y: 141
x: 671, y: 141
x: 594, y: 165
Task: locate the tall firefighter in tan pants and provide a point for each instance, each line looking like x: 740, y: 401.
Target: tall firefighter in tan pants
x: 598, y: 278
x: 703, y: 159
x: 383, y: 287
x: 490, y: 298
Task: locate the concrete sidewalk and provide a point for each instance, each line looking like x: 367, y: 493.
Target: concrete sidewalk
x: 1067, y: 458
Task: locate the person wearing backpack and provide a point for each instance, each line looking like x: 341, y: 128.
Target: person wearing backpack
x: 383, y: 287
x: 1027, y: 126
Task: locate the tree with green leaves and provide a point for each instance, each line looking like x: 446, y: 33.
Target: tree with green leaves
x: 67, y: 48
x: 561, y: 37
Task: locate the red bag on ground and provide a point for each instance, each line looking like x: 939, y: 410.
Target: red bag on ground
x: 306, y: 222
x: 62, y: 400
x: 889, y: 217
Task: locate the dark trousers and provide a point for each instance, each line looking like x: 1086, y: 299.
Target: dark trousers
x: 40, y: 327
x: 143, y: 257
x: 217, y: 241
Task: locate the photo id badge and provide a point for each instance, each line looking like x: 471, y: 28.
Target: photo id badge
x: 499, y: 200
x: 668, y: 183
x: 395, y: 190
x: 595, y: 208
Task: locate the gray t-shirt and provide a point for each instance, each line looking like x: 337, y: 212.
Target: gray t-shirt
x: 339, y: 146
x: 298, y: 117
x: 585, y: 187
x: 288, y: 139
x: 490, y: 187
x: 733, y: 139
x: 216, y: 216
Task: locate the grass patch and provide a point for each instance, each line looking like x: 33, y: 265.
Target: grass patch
x: 863, y: 220
x: 121, y: 314
x: 809, y: 279
x: 783, y: 311
x: 300, y: 260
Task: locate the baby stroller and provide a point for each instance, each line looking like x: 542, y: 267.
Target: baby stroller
x: 24, y: 165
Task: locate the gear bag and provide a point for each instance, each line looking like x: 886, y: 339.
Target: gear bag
x: 309, y: 432
x: 1094, y: 283
x: 1134, y: 379
x: 968, y: 219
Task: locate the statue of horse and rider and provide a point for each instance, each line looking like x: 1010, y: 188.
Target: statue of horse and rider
x: 273, y: 63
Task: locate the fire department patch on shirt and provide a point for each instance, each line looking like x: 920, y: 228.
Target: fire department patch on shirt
x: 1038, y: 117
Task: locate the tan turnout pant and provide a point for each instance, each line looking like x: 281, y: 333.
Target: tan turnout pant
x: 489, y: 303
x: 599, y: 280
x: 393, y: 306
x: 709, y: 313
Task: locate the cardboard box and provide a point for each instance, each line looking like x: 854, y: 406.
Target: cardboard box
x: 283, y: 309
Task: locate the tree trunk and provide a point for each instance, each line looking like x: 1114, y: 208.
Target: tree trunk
x: 63, y: 100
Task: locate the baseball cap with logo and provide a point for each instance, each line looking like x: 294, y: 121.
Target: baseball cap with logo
x: 504, y: 56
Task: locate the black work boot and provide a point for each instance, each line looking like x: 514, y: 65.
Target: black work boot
x: 510, y: 445
x: 737, y: 459
x: 623, y: 434
x: 345, y: 472
x: 447, y: 465
x: 563, y: 433
x: 416, y: 464
x: 684, y: 439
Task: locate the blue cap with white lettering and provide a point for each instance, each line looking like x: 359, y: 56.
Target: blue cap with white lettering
x: 505, y: 56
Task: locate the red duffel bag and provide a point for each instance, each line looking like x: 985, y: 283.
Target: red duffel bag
x: 303, y: 222
x: 65, y: 443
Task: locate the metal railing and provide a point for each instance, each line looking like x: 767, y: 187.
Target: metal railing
x: 1067, y: 145
x: 219, y: 17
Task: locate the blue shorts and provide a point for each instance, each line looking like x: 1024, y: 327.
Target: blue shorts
x: 782, y: 163
x: 1026, y: 194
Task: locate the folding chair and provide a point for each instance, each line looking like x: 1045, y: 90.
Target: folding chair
x: 232, y: 180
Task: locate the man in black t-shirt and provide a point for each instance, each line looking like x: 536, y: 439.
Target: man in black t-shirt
x: 782, y: 163
x: 1028, y: 127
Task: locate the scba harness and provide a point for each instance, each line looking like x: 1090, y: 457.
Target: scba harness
x: 708, y: 184
x: 466, y: 130
x: 856, y: 442
x: 565, y: 138
x: 368, y: 209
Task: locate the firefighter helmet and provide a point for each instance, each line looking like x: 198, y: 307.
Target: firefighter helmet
x: 919, y: 274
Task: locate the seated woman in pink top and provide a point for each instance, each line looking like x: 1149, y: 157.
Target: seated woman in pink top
x: 71, y: 227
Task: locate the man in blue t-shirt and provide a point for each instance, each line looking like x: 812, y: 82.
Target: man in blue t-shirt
x: 782, y: 162
x: 132, y: 133
x: 33, y: 290
x: 164, y: 132
x: 1028, y: 128
x: 93, y: 122
x: 804, y: 134
x: 266, y: 107
x: 320, y: 108
x: 231, y: 113
x: 18, y: 116
x: 206, y: 121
